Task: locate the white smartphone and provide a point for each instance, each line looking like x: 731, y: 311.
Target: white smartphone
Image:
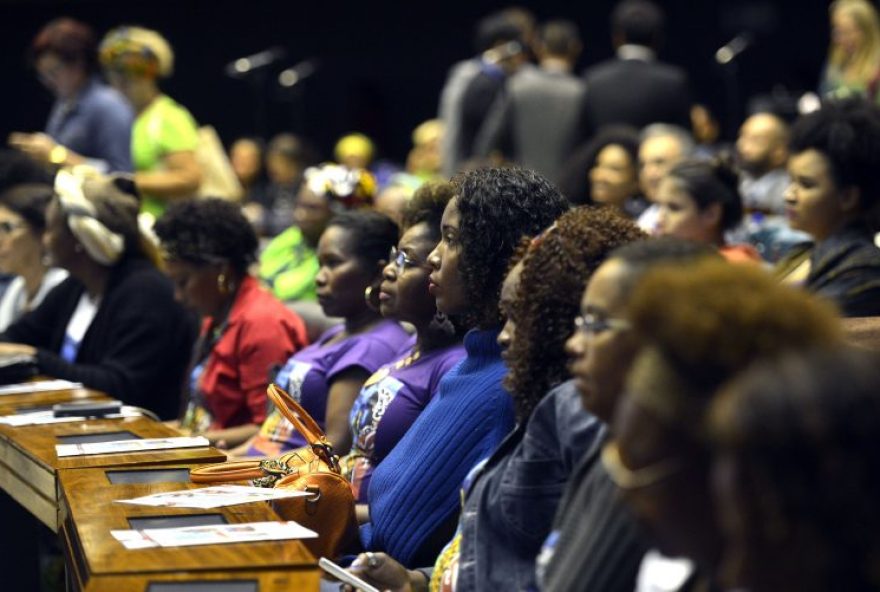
x: 343, y: 576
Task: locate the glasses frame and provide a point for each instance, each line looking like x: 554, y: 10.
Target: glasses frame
x: 402, y: 261
x: 593, y: 324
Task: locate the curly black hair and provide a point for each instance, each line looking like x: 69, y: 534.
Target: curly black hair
x: 208, y: 231
x: 427, y: 205
x: 497, y: 207
x: 847, y: 133
x: 556, y: 267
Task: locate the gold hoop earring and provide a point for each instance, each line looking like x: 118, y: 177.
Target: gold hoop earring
x: 371, y: 295
x: 222, y: 286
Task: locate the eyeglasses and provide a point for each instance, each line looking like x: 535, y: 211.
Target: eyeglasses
x: 7, y: 227
x: 594, y: 324
x: 629, y: 479
x: 402, y: 261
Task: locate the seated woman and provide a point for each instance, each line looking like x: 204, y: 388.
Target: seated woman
x: 700, y: 328
x: 414, y: 494
x: 113, y: 324
x: 246, y: 332
x: 288, y: 264
x: 835, y: 156
x: 164, y: 136
x: 508, y: 508
x: 22, y: 226
x: 700, y: 201
x: 606, y: 171
x: 393, y: 397
x: 326, y: 377
x: 796, y: 469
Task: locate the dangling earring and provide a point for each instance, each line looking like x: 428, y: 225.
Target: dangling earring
x: 371, y: 296
x: 222, y: 286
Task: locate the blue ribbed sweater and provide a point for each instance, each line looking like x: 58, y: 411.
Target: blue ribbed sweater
x: 415, y: 489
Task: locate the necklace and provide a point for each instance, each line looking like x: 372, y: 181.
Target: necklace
x: 383, y: 372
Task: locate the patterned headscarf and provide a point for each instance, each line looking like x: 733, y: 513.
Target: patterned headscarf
x: 101, y: 244
x: 135, y: 50
x: 345, y: 188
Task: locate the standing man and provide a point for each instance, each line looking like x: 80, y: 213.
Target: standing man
x: 536, y: 123
x: 635, y: 88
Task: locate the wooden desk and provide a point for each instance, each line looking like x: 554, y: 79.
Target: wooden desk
x: 10, y: 404
x: 29, y: 465
x: 98, y: 562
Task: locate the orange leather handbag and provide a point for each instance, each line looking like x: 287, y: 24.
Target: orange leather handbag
x: 329, y: 510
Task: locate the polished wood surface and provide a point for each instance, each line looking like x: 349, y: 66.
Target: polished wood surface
x: 97, y: 561
x: 10, y: 404
x: 28, y: 463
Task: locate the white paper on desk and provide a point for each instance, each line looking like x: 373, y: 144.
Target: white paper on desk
x: 115, y: 446
x: 47, y: 417
x: 40, y: 386
x: 213, y: 497
x: 215, y: 534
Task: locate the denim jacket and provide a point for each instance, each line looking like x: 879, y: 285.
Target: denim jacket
x: 509, y: 509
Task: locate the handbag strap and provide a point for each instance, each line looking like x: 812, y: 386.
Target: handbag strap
x: 226, y: 472
x: 304, y: 423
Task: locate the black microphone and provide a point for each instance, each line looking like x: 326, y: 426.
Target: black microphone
x: 296, y: 74
x: 243, y: 66
x: 728, y: 52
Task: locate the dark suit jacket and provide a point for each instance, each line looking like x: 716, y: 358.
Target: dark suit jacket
x: 637, y: 93
x: 137, y: 347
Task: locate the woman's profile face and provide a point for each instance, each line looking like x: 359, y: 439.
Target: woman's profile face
x: 509, y: 290
x: 813, y: 202
x: 446, y: 283
x: 613, y: 177
x: 679, y: 216
x: 197, y: 287
x: 342, y: 277
x: 403, y: 294
x: 20, y: 245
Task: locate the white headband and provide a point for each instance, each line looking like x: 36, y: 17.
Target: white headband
x: 102, y: 245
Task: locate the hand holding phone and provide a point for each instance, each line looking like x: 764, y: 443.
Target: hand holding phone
x: 344, y: 576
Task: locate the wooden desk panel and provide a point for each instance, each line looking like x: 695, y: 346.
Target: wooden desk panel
x: 97, y: 561
x: 28, y: 463
x: 10, y: 404
x: 273, y: 581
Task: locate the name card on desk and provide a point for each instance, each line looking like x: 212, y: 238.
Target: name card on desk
x: 243, y: 532
x: 117, y: 446
x: 40, y: 386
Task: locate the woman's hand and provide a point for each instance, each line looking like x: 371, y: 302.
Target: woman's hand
x: 38, y: 146
x: 383, y: 572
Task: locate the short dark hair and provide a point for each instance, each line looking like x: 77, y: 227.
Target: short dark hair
x: 373, y: 234
x: 427, y: 205
x: 497, y: 207
x: 292, y: 148
x: 17, y: 168
x: 495, y: 29
x: 639, y: 21
x: 71, y: 40
x: 208, y: 231
x: 30, y: 202
x: 560, y: 37
x: 710, y: 182
x: 847, y: 133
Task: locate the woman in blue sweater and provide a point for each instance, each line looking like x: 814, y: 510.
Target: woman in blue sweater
x: 414, y: 494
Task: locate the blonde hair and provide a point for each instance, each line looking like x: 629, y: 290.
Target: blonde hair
x: 863, y: 66
x: 137, y: 50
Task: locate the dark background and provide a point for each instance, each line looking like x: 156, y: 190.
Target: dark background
x: 383, y: 64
